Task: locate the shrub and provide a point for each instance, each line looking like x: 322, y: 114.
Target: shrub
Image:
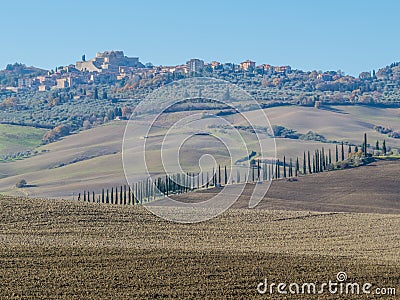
x: 20, y: 184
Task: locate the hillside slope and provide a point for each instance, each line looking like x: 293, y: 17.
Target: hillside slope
x: 91, y: 159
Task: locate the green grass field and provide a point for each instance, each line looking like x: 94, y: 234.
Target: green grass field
x: 14, y: 138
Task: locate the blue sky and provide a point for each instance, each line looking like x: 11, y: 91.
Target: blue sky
x: 352, y: 36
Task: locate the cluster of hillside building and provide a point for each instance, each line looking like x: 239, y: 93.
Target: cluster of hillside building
x: 110, y: 66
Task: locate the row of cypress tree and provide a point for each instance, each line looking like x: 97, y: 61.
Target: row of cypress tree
x: 260, y: 170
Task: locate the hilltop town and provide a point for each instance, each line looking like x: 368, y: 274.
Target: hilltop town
x: 110, y: 67
x: 108, y: 86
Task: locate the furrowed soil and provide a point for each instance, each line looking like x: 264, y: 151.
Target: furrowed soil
x: 57, y: 249
x: 374, y: 188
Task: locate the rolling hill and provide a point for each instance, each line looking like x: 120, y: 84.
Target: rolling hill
x: 91, y: 159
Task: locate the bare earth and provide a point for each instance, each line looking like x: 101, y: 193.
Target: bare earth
x: 60, y: 249
x: 374, y: 188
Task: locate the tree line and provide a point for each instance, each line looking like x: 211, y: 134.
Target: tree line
x: 151, y: 189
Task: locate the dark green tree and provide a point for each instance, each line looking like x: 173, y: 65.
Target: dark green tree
x: 219, y: 174
x: 314, y: 164
x: 337, y: 153
x: 284, y: 167
x: 377, y: 145
x: 258, y: 170
x: 342, y: 151
x: 278, y: 173
x: 365, y: 144
x: 384, y: 150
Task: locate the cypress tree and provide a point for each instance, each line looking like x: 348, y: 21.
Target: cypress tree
x: 219, y: 175
x: 284, y: 167
x: 365, y: 145
x: 337, y: 154
x: 349, y: 151
x: 384, y: 147
x: 141, y: 191
x: 279, y: 170
x: 330, y: 156
x: 297, y: 166
x: 135, y: 192
x: 107, y: 198
x: 309, y: 163
x: 93, y: 197
x: 304, y: 163
x: 84, y: 196
x: 112, y: 195
x: 258, y: 170
x: 102, y: 195
x: 166, y: 185
x: 124, y: 194
x: 342, y: 151
x: 377, y: 145
x: 322, y: 162
x: 120, y: 196
x: 226, y: 176
x: 314, y: 165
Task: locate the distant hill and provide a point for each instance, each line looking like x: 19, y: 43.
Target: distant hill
x: 83, y: 99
